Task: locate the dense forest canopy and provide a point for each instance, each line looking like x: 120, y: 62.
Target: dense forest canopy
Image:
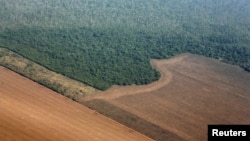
x: 106, y: 42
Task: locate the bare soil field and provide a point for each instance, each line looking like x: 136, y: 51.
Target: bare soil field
x: 31, y: 112
x: 194, y: 91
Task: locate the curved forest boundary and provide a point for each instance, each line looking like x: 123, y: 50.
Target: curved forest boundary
x: 199, y: 74
x: 102, y: 58
x: 194, y: 91
x: 57, y: 82
x: 110, y: 42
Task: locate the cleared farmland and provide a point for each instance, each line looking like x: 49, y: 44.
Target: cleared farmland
x: 194, y: 91
x: 31, y: 112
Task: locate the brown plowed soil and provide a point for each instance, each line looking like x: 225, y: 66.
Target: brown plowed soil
x: 31, y: 112
x: 194, y: 91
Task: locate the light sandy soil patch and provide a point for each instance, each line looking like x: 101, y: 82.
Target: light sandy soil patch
x: 32, y: 112
x: 118, y: 91
x: 194, y: 91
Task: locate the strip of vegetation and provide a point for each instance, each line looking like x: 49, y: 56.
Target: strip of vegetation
x: 149, y: 129
x: 61, y: 84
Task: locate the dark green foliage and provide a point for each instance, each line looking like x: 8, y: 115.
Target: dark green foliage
x: 106, y: 42
x: 94, y: 57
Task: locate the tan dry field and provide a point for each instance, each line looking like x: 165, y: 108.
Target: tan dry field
x: 194, y: 91
x: 31, y: 112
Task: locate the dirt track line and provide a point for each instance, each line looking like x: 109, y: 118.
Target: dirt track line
x: 118, y: 91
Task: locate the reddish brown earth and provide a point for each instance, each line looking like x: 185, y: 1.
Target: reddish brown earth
x: 31, y: 112
x: 194, y: 91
